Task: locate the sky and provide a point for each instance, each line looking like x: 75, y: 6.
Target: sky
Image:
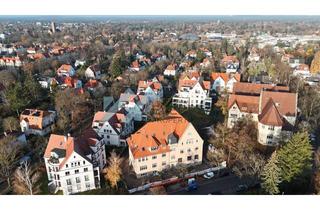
x: 159, y: 7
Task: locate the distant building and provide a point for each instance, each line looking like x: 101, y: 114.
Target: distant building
x: 66, y: 70
x: 224, y: 81
x: 37, y: 122
x: 93, y: 72
x: 53, y: 27
x: 162, y: 144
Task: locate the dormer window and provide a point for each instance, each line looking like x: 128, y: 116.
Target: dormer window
x: 154, y: 148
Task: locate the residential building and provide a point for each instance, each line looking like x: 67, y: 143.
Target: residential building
x: 193, y: 93
x: 162, y: 144
x: 302, y: 70
x: 73, y: 165
x: 224, y: 81
x: 10, y: 61
x: 93, y: 72
x: 230, y: 60
x: 152, y: 89
x: 37, y: 122
x: 66, y: 70
x: 275, y: 113
x: 244, y: 88
x: 171, y: 70
x: 113, y: 128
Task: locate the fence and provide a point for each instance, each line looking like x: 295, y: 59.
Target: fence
x: 175, y: 179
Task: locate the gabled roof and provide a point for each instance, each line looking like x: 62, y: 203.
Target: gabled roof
x: 285, y: 102
x: 248, y: 104
x: 155, y: 134
x: 270, y: 115
x: 65, y: 67
x: 255, y: 89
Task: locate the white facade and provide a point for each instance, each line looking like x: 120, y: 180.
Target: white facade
x: 114, y: 133
x: 194, y: 96
x: 73, y: 171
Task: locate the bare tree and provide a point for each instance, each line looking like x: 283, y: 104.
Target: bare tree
x: 113, y: 172
x: 10, y: 124
x: 216, y: 156
x: 26, y: 180
x: 8, y: 157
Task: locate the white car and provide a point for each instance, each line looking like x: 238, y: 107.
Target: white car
x: 208, y: 175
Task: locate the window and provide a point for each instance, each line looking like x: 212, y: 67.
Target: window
x: 196, y: 157
x: 77, y: 179
x: 164, y: 163
x: 85, y: 169
x: 180, y: 160
x: 181, y: 151
x: 67, y: 173
x: 58, y: 177
x: 189, y: 150
x: 143, y: 168
x: 67, y: 166
x: 59, y: 184
x: 270, y: 136
x: 154, y: 165
x: 163, y: 155
x: 108, y: 137
x: 78, y: 187
x: 76, y: 171
x: 196, y: 149
x: 271, y: 128
x: 189, y: 158
x: 88, y: 185
x: 84, y: 162
x: 70, y: 189
x: 86, y: 178
x: 154, y: 157
x: 68, y: 181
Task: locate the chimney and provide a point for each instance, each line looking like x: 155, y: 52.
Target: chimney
x: 65, y: 139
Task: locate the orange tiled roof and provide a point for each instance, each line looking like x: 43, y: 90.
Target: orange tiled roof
x: 249, y: 104
x: 270, y: 115
x: 34, y: 117
x: 255, y: 89
x: 286, y: 103
x: 155, y: 134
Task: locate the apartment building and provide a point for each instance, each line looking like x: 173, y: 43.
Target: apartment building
x: 275, y: 113
x: 162, y: 144
x: 112, y: 127
x: 37, y: 122
x: 152, y: 89
x: 193, y: 92
x: 73, y: 165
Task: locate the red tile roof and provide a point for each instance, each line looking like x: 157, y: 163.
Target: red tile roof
x: 270, y: 115
x: 248, y: 104
x: 151, y: 136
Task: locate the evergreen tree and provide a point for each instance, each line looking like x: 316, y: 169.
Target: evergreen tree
x: 295, y: 157
x: 116, y: 68
x: 271, y: 175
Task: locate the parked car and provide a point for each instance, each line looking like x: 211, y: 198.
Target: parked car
x: 208, y: 175
x: 192, y: 184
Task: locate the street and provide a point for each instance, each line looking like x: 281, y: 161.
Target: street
x: 222, y: 185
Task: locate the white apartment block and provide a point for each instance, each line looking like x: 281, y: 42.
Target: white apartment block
x: 73, y: 164
x: 193, y: 93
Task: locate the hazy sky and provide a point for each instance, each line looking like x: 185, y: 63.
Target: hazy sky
x: 159, y: 7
